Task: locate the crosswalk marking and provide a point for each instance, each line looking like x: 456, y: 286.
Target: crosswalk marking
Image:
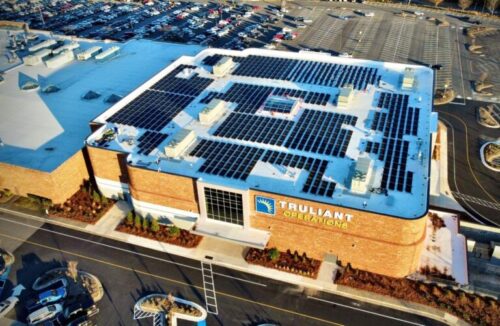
x: 477, y: 201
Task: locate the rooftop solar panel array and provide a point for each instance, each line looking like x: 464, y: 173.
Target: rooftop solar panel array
x: 151, y: 110
x: 211, y: 60
x: 309, y: 72
x: 227, y: 160
x: 251, y: 97
x: 191, y: 86
x: 314, y: 184
x: 255, y: 128
x: 149, y: 141
x: 397, y: 120
x: 321, y: 132
x: 156, y: 107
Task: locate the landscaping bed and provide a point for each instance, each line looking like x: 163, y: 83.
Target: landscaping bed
x: 5, y: 195
x: 143, y: 227
x: 284, y: 261
x: 472, y: 308
x: 86, y: 205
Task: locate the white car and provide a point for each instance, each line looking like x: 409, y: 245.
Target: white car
x: 418, y: 13
x: 345, y: 55
x: 7, y: 305
x: 45, y: 313
x: 369, y: 14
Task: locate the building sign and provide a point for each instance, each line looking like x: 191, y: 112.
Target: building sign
x: 306, y: 213
x: 265, y: 205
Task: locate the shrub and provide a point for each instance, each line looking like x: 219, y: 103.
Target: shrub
x: 104, y: 200
x: 274, y: 254
x: 155, y: 226
x: 145, y: 224
x: 96, y: 197
x: 138, y: 221
x: 174, y: 231
x: 130, y: 218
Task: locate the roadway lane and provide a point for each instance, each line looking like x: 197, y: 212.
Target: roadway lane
x: 128, y: 272
x: 475, y: 187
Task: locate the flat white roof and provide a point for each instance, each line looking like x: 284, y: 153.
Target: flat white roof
x: 385, y: 197
x: 41, y: 130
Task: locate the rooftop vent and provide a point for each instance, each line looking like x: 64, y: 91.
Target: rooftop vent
x: 181, y: 140
x: 223, y: 67
x: 91, y: 95
x: 362, y: 175
x: 345, y: 96
x: 30, y: 85
x: 51, y: 89
x: 212, y: 111
x: 113, y: 98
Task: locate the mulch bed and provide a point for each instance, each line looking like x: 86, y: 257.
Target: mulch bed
x: 86, y: 205
x: 286, y: 261
x: 472, y: 308
x: 184, y: 239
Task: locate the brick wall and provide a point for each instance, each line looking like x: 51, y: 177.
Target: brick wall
x: 372, y: 242
x: 108, y: 164
x: 163, y: 189
x: 57, y: 185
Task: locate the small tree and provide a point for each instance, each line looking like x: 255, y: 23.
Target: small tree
x: 174, y: 231
x: 274, y: 254
x: 145, y: 224
x: 138, y: 221
x: 73, y: 269
x: 155, y: 226
x: 96, y: 197
x: 464, y: 4
x: 492, y: 5
x: 130, y: 218
x: 436, y: 2
x: 104, y: 200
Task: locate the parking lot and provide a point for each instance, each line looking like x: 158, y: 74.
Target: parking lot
x: 340, y: 28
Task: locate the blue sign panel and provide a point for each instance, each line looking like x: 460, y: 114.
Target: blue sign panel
x: 265, y: 205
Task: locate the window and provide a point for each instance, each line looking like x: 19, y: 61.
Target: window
x: 224, y: 206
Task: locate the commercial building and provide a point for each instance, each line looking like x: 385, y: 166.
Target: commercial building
x: 262, y: 154
x: 45, y: 113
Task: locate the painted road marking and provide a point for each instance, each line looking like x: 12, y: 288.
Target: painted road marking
x: 167, y: 279
x: 476, y: 200
x: 126, y: 250
x: 365, y: 311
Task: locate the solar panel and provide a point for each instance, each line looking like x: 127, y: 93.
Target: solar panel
x: 255, y: 128
x: 314, y: 184
x: 309, y: 72
x: 193, y: 85
x: 321, y: 132
x: 151, y: 110
x: 227, y: 160
x: 149, y: 141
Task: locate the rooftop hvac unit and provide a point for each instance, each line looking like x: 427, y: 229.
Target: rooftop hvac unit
x: 223, y: 66
x: 60, y: 59
x: 36, y: 57
x: 69, y: 47
x: 44, y: 44
x: 212, y: 111
x: 87, y: 54
x: 106, y: 53
x: 180, y: 141
x: 362, y: 174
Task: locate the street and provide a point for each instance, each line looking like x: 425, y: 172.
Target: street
x: 128, y: 272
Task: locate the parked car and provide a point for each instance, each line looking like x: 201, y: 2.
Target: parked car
x: 53, y: 295
x: 44, y: 314
x: 7, y: 305
x: 53, y: 284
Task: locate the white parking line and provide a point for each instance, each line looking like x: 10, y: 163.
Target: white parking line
x: 121, y: 249
x: 366, y: 311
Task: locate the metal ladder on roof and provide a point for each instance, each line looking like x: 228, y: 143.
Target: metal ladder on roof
x: 209, y: 287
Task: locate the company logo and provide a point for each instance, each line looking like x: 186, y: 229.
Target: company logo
x: 265, y: 205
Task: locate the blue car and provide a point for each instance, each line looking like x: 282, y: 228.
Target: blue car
x: 52, y: 295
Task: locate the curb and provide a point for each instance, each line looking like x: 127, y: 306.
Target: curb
x: 379, y: 300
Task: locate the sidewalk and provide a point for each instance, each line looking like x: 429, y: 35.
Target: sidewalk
x: 231, y: 256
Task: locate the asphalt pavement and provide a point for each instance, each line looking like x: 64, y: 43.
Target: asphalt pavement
x: 474, y: 186
x: 128, y: 272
